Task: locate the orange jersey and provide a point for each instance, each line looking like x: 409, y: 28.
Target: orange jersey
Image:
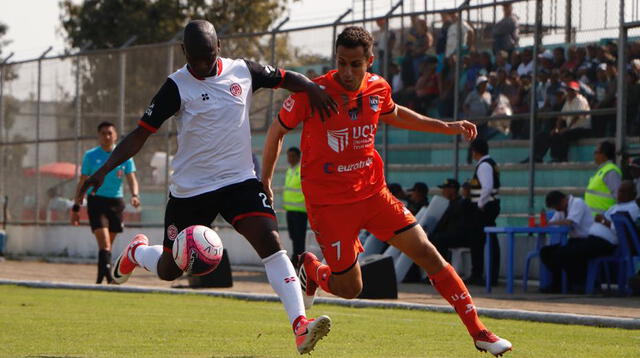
x: 339, y: 161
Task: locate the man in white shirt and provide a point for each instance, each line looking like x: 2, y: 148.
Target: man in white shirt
x: 484, y: 195
x: 603, y: 228
x: 452, y: 35
x: 570, y: 128
x: 574, y: 213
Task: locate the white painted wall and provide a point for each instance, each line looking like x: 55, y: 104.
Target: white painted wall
x: 79, y: 242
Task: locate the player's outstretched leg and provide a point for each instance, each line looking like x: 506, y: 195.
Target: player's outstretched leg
x: 451, y: 287
x: 444, y: 278
x: 125, y: 263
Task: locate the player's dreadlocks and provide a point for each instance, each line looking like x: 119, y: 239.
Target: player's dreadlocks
x: 354, y: 36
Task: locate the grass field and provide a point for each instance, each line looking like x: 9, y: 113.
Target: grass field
x: 77, y: 323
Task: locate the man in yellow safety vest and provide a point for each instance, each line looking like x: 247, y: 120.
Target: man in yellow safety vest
x: 603, y: 185
x: 293, y: 204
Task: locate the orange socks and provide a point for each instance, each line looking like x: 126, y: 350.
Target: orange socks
x: 451, y: 287
x: 320, y: 274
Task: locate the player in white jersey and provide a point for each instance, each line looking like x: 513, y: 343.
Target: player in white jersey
x: 213, y: 170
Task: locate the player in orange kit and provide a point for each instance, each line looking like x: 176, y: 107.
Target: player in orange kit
x: 344, y: 185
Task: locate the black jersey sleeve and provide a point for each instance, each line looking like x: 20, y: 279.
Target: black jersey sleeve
x: 264, y: 76
x: 164, y: 104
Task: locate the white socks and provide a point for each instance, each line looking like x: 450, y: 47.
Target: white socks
x: 147, y: 257
x: 282, y: 277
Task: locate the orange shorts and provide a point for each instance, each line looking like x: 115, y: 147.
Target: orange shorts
x: 337, y: 226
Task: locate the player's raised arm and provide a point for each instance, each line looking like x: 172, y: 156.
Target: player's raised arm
x: 404, y: 117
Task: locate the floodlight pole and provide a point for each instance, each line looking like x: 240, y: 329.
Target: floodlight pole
x: 169, y: 125
x: 335, y: 33
x: 621, y: 104
x: 78, y: 114
x: 273, y: 63
x: 38, y: 110
x: 123, y: 70
x: 534, y: 106
x: 3, y: 134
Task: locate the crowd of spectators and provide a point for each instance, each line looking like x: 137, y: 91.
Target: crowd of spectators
x: 498, y: 80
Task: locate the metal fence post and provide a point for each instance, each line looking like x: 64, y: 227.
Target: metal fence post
x: 77, y: 117
x: 272, y: 63
x: 37, y: 164
x: 335, y: 33
x: 456, y: 91
x: 3, y: 133
x: 621, y: 117
x: 169, y: 125
x: 122, y: 87
x: 568, y: 28
x: 534, y: 105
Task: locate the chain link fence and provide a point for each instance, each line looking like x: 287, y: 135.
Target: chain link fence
x: 50, y: 107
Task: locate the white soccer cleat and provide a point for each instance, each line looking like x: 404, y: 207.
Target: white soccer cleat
x: 486, y: 341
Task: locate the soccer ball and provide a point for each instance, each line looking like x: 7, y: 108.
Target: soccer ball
x: 197, y: 250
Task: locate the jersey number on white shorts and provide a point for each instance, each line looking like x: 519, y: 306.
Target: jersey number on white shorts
x: 265, y: 200
x: 337, y: 246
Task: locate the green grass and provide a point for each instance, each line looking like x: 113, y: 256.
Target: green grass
x: 78, y: 323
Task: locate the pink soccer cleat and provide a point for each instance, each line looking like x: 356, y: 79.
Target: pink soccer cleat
x: 309, y: 287
x: 309, y: 332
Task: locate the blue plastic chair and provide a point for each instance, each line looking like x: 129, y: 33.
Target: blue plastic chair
x: 553, y: 240
x: 623, y: 258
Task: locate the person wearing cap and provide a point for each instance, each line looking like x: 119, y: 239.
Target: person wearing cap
x: 605, y: 96
x: 485, y: 185
x: 506, y: 31
x: 572, y: 127
x: 603, y: 185
x: 455, y: 224
x: 418, y: 197
x: 478, y: 104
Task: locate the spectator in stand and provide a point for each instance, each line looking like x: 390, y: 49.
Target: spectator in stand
x: 504, y: 86
x: 634, y: 170
x: 546, y: 60
x: 486, y: 64
x: 420, y: 36
x: 625, y: 198
x: 446, y: 87
x: 634, y: 50
x: 441, y: 41
x: 427, y: 86
x: 572, y: 60
x: 473, y: 69
x: 553, y: 102
x: 584, y: 89
x: 548, y: 127
x: 542, y: 87
x: 506, y: 31
x: 520, y: 127
x: 454, y: 226
x: 396, y: 78
x: 418, y: 197
x: 478, y: 104
x: 502, y: 61
x: 575, y: 214
x: 570, y: 128
x: 605, y: 96
x: 452, y: 36
x: 515, y: 60
x: 408, y: 76
x: 311, y: 73
x: 526, y: 65
x: 558, y: 57
x: 386, y: 42
x: 633, y: 91
x: 604, y: 56
x: 603, y: 185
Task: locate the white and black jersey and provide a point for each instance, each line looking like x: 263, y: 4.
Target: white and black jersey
x: 212, y: 116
